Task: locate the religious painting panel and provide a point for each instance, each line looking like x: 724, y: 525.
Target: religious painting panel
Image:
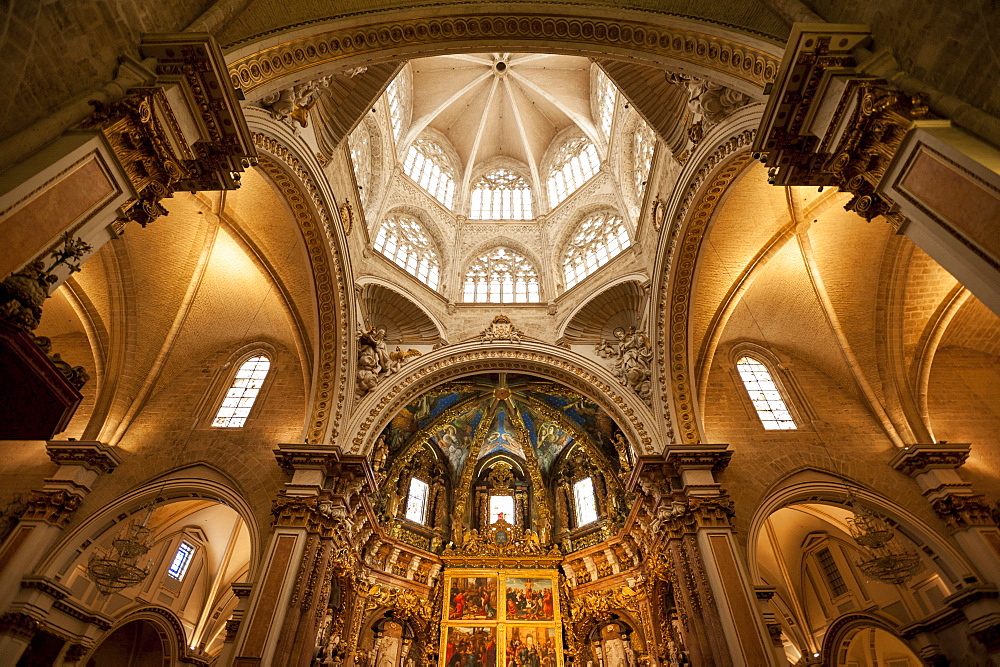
x: 469, y: 646
x: 529, y: 599
x: 530, y: 646
x: 472, y: 598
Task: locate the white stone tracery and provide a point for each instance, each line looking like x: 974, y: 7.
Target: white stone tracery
x: 501, y: 194
x: 402, y: 239
x: 501, y: 276
x: 599, y: 239
x: 428, y: 165
x: 575, y: 163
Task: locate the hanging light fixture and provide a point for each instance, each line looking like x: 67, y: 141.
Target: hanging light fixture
x: 117, y: 568
x: 882, y: 559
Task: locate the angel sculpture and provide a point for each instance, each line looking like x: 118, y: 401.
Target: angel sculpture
x: 399, y: 358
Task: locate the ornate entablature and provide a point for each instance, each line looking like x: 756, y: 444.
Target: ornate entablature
x: 504, y: 545
x: 183, y: 131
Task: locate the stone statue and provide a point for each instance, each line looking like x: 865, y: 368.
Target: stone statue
x: 294, y: 103
x: 374, y: 360
x: 632, y: 357
x: 709, y: 102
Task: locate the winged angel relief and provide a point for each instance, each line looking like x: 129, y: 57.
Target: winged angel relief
x: 632, y: 357
x: 375, y: 361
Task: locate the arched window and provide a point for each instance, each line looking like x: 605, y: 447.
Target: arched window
x: 586, y: 502
x: 403, y: 240
x: 605, y: 102
x: 242, y: 393
x: 643, y: 143
x: 574, y: 164
x: 501, y: 195
x: 501, y: 276
x: 394, y: 96
x: 416, y: 500
x: 764, y: 395
x: 182, y: 560
x: 359, y: 141
x: 600, y: 237
x: 427, y: 164
x: 502, y: 505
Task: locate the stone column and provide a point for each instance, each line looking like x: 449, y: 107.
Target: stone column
x: 242, y: 592
x: 48, y: 510
x: 764, y: 595
x: 311, y: 543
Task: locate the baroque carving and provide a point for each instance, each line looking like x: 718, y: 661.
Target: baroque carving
x: 501, y: 328
x: 295, y: 102
x: 710, y: 103
x: 375, y: 362
x: 960, y: 512
x: 54, y: 507
x: 23, y: 293
x: 632, y: 357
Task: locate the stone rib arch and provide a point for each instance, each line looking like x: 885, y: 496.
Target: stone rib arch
x: 167, y: 625
x: 296, y: 172
x: 470, y: 358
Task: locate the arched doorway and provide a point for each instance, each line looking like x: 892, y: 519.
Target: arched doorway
x: 138, y: 643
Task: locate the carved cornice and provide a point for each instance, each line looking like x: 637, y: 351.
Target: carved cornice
x: 54, y: 507
x: 329, y: 277
x: 384, y: 41
x: 714, y: 457
x: 93, y: 455
x: 960, y: 511
x: 318, y: 515
x: 916, y: 459
x: 19, y: 625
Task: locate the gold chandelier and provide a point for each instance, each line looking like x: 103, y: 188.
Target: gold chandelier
x: 117, y: 568
x: 882, y: 558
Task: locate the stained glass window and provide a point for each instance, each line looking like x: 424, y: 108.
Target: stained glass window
x: 643, y: 143
x: 182, y: 559
x: 501, y: 195
x: 242, y: 393
x: 427, y: 164
x: 404, y: 240
x: 764, y: 394
x: 501, y: 276
x: 575, y: 163
x: 600, y: 238
x: 605, y: 102
x: 416, y: 501
x: 502, y: 505
x: 586, y: 503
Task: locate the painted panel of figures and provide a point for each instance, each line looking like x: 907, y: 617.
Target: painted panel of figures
x: 470, y: 647
x: 530, y: 646
x: 472, y: 598
x: 529, y: 599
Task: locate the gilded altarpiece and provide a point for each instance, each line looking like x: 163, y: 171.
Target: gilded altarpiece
x: 501, y: 605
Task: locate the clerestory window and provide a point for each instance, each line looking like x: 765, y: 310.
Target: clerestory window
x: 182, y: 560
x: 574, y: 164
x: 416, y: 501
x: 605, y: 102
x: 501, y: 195
x: 643, y: 143
x: 359, y: 142
x: 764, y: 395
x: 394, y: 97
x: 242, y: 393
x: 428, y: 165
x: 600, y: 238
x: 501, y: 276
x: 586, y: 502
x: 404, y: 240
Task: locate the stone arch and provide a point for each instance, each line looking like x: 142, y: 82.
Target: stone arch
x: 262, y: 64
x: 370, y: 281
x: 472, y: 357
x: 295, y: 171
x: 167, y: 626
x: 839, y: 634
x: 195, y: 481
x: 818, y: 486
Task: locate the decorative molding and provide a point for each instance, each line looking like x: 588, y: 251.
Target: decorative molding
x: 964, y: 511
x: 19, y: 626
x: 270, y: 65
x: 93, y: 455
x: 330, y: 291
x: 54, y: 507
x: 916, y: 459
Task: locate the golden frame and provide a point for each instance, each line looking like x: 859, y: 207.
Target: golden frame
x: 502, y: 625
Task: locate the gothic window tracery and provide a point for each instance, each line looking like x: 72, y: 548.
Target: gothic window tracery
x: 501, y: 194
x: 575, y: 163
x: 394, y: 95
x: 242, y: 393
x: 403, y: 240
x: 643, y: 144
x: 428, y: 165
x: 501, y: 276
x: 764, y: 394
x: 605, y: 102
x: 359, y: 142
x: 599, y: 239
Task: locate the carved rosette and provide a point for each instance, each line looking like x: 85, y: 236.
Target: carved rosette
x: 54, y: 507
x: 960, y: 512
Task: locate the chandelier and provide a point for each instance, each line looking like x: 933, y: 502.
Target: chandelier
x: 117, y: 568
x: 882, y: 558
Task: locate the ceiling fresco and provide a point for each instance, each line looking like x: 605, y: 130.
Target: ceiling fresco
x: 518, y: 415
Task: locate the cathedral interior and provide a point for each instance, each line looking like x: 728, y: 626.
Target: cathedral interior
x: 647, y: 333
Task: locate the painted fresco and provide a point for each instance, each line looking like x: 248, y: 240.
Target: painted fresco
x: 472, y: 598
x: 530, y: 646
x: 455, y: 438
x: 471, y: 647
x: 421, y: 412
x: 501, y: 436
x: 529, y: 599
